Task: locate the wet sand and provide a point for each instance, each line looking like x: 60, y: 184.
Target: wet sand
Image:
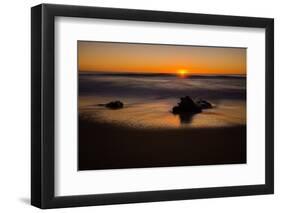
x: 110, y: 146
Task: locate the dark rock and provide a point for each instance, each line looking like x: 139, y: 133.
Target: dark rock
x: 176, y: 110
x: 186, y: 105
x: 114, y: 105
x: 204, y: 104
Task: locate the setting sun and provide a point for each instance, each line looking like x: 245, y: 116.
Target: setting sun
x: 182, y: 73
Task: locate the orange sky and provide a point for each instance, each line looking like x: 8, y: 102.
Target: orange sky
x: 147, y: 58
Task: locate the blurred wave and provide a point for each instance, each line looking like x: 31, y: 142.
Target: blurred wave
x: 214, y: 87
x: 148, y: 99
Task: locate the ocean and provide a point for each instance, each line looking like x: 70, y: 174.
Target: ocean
x: 149, y: 98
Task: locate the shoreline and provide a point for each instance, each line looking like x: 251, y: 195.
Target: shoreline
x: 110, y: 146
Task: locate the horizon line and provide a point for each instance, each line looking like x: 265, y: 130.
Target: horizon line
x: 154, y: 73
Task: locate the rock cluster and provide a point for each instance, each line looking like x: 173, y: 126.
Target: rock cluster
x: 114, y: 105
x: 187, y: 105
x: 204, y: 104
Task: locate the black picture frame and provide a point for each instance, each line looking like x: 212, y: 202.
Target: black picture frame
x: 43, y: 117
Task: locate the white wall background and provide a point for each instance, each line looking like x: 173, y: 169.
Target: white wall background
x: 15, y: 105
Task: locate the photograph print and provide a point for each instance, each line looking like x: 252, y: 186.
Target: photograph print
x: 160, y: 105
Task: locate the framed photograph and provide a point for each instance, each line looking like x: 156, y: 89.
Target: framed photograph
x: 139, y: 106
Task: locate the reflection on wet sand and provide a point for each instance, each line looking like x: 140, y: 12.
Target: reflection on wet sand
x: 157, y: 114
x: 185, y: 118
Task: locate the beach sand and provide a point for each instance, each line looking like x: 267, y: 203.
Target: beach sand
x: 111, y: 146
